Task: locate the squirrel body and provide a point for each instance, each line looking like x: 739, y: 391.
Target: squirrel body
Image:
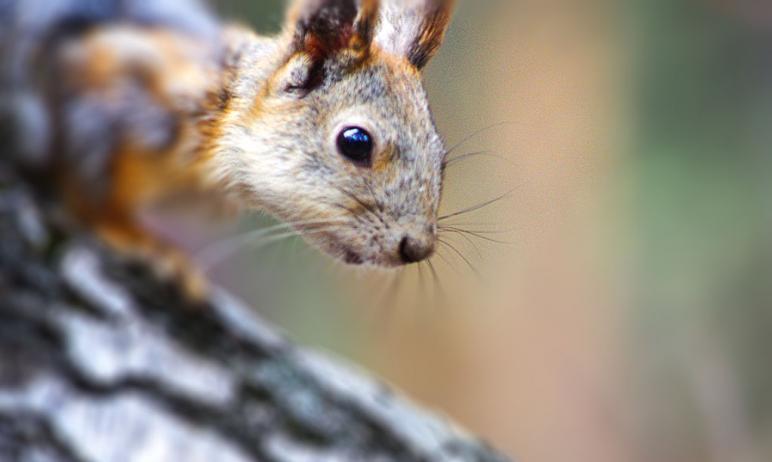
x: 326, y: 125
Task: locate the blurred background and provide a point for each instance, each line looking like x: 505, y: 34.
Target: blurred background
x: 628, y: 315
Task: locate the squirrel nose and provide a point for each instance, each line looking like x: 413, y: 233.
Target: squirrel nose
x: 412, y: 250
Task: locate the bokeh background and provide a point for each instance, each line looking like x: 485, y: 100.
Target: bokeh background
x: 628, y: 316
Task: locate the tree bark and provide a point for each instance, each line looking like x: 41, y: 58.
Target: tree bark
x: 99, y: 361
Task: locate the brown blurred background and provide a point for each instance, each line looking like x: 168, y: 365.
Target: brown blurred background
x: 629, y: 315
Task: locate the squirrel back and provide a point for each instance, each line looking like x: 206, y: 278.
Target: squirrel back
x: 40, y: 119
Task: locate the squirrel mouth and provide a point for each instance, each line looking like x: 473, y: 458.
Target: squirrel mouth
x: 352, y: 258
x: 333, y: 246
x: 337, y: 248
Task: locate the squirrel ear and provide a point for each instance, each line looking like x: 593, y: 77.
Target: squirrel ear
x: 414, y: 29
x: 321, y: 28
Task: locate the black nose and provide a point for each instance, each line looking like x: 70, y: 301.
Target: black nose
x: 413, y: 251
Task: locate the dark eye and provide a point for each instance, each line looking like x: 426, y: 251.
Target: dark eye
x: 356, y: 144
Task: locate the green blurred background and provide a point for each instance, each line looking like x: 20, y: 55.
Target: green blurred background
x: 631, y: 317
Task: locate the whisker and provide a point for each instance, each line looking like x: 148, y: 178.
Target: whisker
x: 387, y: 298
x: 478, y: 235
x: 238, y: 240
x: 301, y: 253
x: 209, y: 262
x: 467, y: 239
x: 421, y: 281
x: 447, y: 261
x: 369, y: 208
x: 493, y: 228
x: 477, y: 207
x: 215, y: 254
x: 477, y: 133
x: 439, y: 290
x: 450, y: 162
x: 463, y: 257
x: 269, y: 229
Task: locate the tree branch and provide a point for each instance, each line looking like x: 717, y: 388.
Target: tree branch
x: 99, y: 361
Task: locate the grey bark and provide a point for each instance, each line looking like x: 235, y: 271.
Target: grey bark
x: 99, y: 361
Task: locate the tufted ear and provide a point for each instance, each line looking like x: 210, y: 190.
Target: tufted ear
x: 414, y: 29
x: 322, y: 27
x: 321, y: 30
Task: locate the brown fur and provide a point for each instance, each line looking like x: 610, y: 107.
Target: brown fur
x: 255, y: 121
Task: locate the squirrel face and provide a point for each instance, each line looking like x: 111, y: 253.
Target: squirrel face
x: 338, y: 140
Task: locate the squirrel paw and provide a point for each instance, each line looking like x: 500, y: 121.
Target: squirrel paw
x: 172, y: 265
x: 167, y: 263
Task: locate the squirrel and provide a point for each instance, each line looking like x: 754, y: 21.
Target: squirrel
x: 326, y: 126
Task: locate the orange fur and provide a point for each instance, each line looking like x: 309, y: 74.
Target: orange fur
x: 244, y: 128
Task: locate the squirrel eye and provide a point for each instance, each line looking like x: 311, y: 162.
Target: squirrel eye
x: 356, y: 144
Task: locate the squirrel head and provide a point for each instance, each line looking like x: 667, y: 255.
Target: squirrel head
x: 334, y: 134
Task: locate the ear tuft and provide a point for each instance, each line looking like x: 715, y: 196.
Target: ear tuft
x: 365, y: 26
x: 414, y: 29
x: 322, y: 30
x: 324, y: 27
